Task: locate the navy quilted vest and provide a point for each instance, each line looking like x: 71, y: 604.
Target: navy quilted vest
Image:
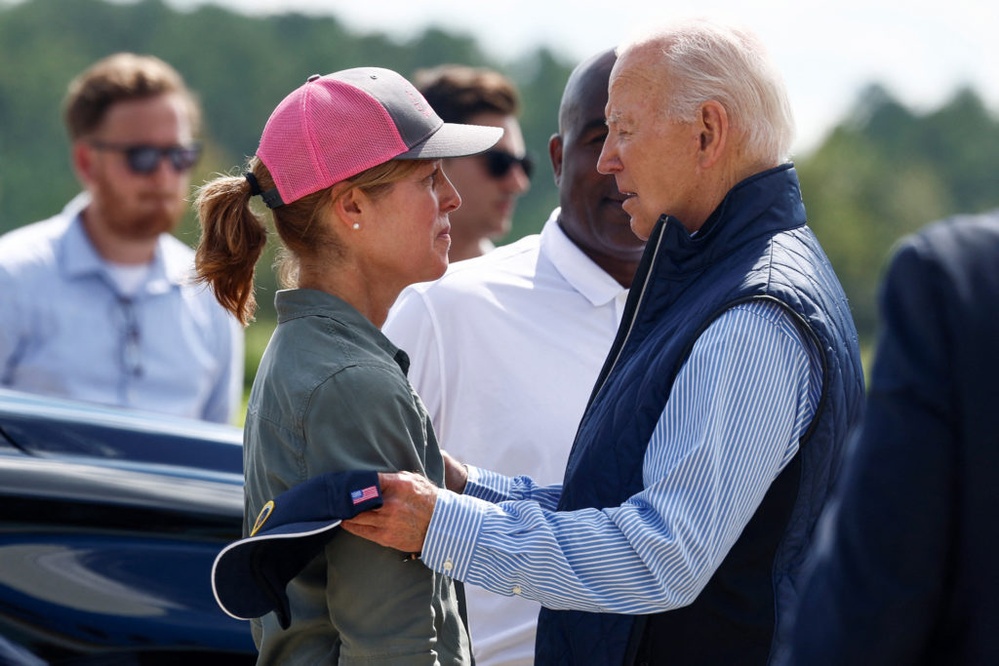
x: 755, y: 245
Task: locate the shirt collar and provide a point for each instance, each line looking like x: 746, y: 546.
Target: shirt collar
x: 80, y: 259
x: 585, y: 276
x: 295, y: 303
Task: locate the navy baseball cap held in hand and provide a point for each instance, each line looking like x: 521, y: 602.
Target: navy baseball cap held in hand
x: 250, y: 576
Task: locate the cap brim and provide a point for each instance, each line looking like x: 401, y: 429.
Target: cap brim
x: 249, y: 575
x: 454, y: 140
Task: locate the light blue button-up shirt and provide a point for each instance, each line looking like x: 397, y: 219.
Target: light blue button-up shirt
x: 738, y: 408
x: 67, y: 330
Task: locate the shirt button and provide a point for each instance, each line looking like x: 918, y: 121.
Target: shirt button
x: 448, y: 565
x: 516, y: 589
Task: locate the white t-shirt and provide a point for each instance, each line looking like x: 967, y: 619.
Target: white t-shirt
x: 129, y: 278
x: 505, y: 349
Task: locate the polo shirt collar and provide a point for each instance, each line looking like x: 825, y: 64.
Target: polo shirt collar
x: 585, y: 276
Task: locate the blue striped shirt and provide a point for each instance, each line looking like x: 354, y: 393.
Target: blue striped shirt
x: 738, y: 407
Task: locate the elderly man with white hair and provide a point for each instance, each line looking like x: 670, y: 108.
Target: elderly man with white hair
x: 711, y: 438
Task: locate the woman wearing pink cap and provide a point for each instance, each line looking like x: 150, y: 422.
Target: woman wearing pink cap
x: 349, y: 164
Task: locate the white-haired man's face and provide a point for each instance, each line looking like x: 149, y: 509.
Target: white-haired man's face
x: 654, y: 160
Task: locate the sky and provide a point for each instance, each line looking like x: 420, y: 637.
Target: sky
x: 922, y: 51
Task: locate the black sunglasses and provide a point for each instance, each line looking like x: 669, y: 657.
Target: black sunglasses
x: 499, y: 163
x: 143, y: 159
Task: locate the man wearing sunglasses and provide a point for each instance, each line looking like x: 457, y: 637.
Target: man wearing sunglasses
x: 505, y: 348
x: 98, y: 302
x: 489, y: 183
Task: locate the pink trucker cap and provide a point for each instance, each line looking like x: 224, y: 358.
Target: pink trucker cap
x: 338, y: 125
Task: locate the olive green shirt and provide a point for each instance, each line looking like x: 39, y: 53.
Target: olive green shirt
x: 331, y: 395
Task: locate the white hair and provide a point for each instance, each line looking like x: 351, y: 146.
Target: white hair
x: 706, y: 60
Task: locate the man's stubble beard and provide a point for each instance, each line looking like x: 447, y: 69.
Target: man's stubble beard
x: 157, y: 213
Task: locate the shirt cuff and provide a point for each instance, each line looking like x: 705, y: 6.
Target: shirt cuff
x: 488, y: 485
x: 453, y: 533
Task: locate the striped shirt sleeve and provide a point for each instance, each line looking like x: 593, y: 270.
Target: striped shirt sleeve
x: 741, y: 402
x: 495, y: 487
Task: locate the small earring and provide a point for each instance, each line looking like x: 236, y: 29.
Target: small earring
x: 357, y: 225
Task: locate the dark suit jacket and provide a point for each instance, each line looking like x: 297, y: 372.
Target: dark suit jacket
x: 910, y: 571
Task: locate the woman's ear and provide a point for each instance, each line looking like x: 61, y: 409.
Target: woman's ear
x: 350, y: 205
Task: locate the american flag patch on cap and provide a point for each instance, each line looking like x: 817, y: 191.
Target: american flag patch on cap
x: 358, y: 496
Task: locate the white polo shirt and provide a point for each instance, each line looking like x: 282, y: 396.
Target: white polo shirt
x: 505, y: 349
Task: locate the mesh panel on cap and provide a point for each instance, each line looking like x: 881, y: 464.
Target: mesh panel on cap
x: 324, y: 132
x: 353, y: 133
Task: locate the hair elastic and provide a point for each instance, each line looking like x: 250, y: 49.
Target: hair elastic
x: 254, y: 185
x: 271, y: 197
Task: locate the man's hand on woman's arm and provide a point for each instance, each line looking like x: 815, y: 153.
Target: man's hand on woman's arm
x: 401, y: 522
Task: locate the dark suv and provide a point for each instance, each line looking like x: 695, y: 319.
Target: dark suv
x: 109, y: 523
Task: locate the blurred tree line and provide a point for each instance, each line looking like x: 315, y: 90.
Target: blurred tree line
x: 883, y: 172
x: 886, y: 171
